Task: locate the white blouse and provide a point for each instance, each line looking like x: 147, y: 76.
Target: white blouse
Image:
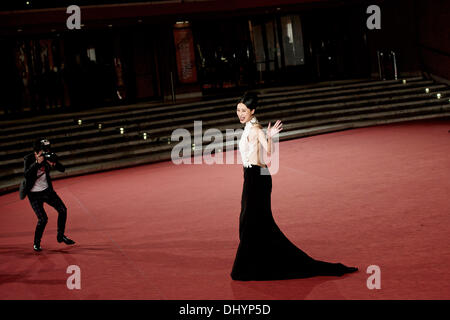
x: 250, y: 144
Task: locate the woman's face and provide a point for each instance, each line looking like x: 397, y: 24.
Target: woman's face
x: 244, y: 114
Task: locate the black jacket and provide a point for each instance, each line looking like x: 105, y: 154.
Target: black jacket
x: 31, y: 168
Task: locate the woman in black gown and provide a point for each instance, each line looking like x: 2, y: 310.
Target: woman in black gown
x: 264, y: 252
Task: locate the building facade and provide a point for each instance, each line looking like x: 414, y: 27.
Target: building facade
x: 188, y: 49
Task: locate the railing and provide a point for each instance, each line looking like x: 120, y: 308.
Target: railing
x: 387, y: 65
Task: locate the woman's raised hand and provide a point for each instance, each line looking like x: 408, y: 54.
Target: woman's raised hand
x: 272, y: 131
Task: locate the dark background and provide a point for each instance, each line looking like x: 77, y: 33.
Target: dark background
x: 336, y: 42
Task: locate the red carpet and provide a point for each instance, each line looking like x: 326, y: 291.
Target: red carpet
x: 370, y: 196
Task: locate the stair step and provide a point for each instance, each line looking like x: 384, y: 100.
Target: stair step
x: 14, y: 166
x: 316, y: 110
x: 96, y: 116
x: 13, y: 183
x: 305, y: 110
x: 149, y: 120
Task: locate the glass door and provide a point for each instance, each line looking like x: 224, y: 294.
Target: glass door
x: 266, y: 48
x: 278, y: 48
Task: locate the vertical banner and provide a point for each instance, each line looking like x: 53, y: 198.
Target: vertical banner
x: 184, y: 45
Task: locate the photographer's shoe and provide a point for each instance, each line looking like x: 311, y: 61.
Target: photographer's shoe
x: 37, y: 247
x: 65, y: 240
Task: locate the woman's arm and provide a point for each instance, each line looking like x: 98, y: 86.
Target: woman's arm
x: 266, y: 142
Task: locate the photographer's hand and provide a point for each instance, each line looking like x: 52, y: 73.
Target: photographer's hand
x: 39, y: 157
x: 52, y: 164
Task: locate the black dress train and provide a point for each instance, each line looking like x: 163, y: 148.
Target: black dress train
x: 264, y: 252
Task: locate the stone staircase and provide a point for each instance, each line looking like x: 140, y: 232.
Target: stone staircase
x: 304, y: 110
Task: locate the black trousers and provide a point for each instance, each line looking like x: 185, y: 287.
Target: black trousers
x: 37, y: 200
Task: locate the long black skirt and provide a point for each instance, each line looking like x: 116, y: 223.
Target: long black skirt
x: 264, y: 252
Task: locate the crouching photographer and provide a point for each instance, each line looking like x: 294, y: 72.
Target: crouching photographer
x: 37, y: 185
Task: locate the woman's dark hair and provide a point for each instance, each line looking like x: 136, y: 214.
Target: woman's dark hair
x: 250, y: 99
